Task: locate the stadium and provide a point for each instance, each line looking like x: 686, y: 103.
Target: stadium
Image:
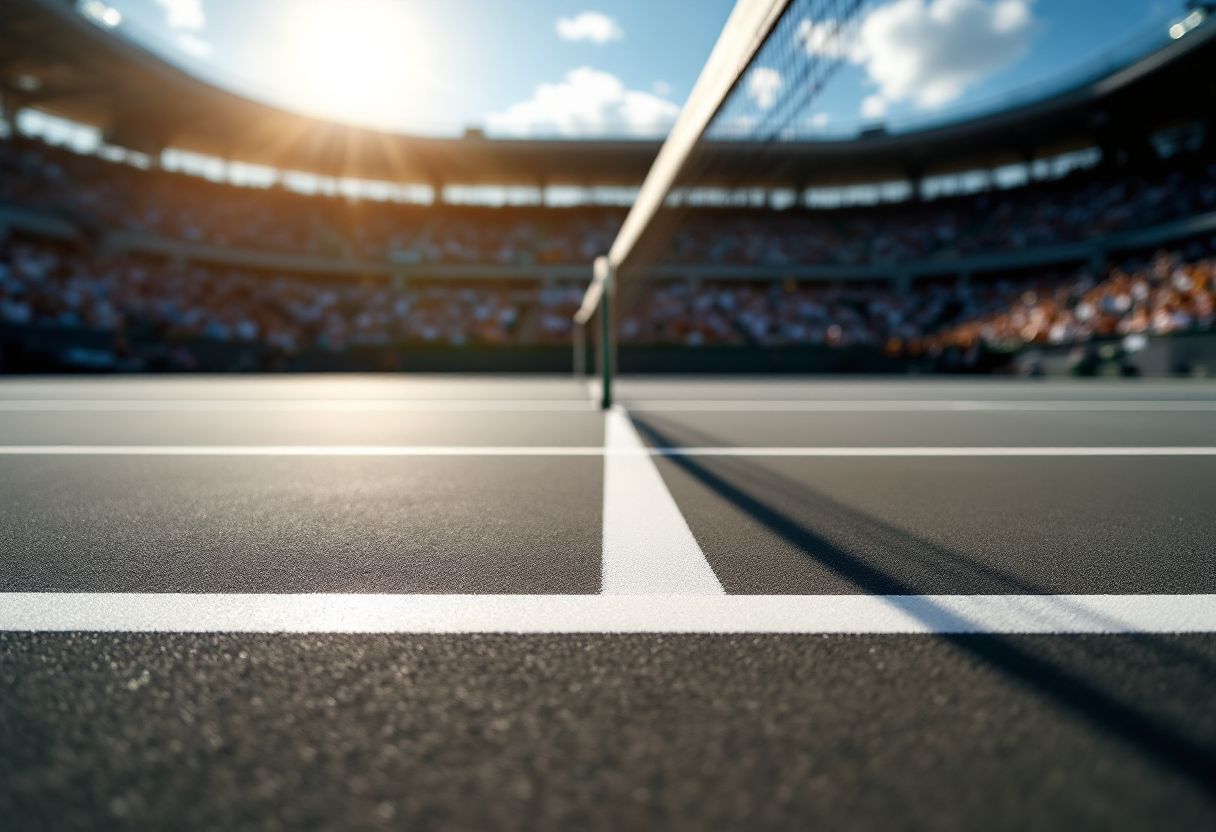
x: 745, y: 474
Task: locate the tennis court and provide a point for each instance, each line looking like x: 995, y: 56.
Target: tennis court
x: 464, y: 602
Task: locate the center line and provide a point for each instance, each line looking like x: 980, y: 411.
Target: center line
x: 648, y: 547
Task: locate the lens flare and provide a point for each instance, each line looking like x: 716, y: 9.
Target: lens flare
x: 348, y: 59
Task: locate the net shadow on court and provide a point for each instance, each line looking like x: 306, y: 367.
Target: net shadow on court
x: 1150, y: 733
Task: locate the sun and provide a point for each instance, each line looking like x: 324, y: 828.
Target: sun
x: 349, y: 59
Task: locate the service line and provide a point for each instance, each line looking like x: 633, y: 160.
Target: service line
x: 590, y: 405
x: 929, y: 450
x: 299, y: 450
x: 270, y: 613
x: 913, y: 406
x: 612, y: 450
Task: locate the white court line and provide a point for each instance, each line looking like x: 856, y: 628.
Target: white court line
x: 294, y: 405
x: 578, y: 406
x: 622, y: 446
x: 298, y: 450
x: 933, y: 451
x: 648, y: 548
x: 905, y: 406
x: 155, y: 612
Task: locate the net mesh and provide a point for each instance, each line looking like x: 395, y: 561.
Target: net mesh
x: 773, y: 97
x: 747, y: 149
x: 734, y: 141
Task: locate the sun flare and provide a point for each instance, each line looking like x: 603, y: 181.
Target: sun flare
x: 347, y: 58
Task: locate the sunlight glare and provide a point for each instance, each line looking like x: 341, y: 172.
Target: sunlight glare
x: 344, y: 58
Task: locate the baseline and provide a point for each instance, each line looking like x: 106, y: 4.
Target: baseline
x: 1050, y: 614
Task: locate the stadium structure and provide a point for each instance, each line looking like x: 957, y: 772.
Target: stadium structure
x: 446, y: 601
x: 901, y: 247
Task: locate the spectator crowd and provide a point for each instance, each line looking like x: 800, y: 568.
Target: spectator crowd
x: 1167, y: 294
x: 56, y: 284
x: 118, y: 196
x: 51, y: 286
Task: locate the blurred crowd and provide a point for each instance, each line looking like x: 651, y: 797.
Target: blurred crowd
x: 1172, y: 292
x: 42, y: 283
x: 106, y: 195
x: 774, y: 314
x: 61, y: 286
x: 1082, y: 205
x: 78, y: 287
x: 50, y: 285
x: 118, y: 196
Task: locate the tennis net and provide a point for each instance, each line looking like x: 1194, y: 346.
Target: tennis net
x: 732, y: 144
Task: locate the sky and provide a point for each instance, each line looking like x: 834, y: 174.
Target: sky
x: 622, y: 67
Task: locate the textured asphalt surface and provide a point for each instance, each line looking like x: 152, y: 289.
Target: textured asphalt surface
x: 323, y: 731
x: 300, y: 524
x: 606, y: 732
x: 970, y: 526
x: 308, y: 428
x: 975, y: 429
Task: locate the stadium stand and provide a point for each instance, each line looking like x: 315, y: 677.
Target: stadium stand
x: 1112, y: 171
x: 119, y: 197
x: 75, y: 286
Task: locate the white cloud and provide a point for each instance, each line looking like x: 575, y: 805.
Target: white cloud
x: 183, y: 14
x: 661, y: 88
x: 192, y: 45
x: 593, y: 26
x: 587, y: 103
x: 874, y: 106
x: 763, y: 84
x: 819, y: 121
x: 927, y: 51
x: 822, y: 38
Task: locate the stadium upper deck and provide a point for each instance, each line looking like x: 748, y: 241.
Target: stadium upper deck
x: 59, y: 61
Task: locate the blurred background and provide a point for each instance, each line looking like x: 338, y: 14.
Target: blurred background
x: 977, y: 186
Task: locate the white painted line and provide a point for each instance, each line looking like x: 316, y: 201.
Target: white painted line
x: 155, y: 612
x: 648, y: 547
x: 580, y: 406
x: 629, y: 449
x: 913, y: 406
x: 297, y: 450
x: 941, y: 452
x: 294, y: 406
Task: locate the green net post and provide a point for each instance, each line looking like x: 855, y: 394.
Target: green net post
x: 606, y: 342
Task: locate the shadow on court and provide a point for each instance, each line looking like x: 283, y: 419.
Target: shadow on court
x: 754, y: 491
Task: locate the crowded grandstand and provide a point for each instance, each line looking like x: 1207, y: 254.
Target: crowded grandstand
x: 162, y: 269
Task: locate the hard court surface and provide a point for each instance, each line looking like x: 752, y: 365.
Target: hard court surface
x: 482, y: 603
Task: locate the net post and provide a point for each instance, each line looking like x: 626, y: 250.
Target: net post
x: 606, y: 346
x: 580, y: 351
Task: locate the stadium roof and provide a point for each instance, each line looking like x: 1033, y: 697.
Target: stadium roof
x: 84, y: 72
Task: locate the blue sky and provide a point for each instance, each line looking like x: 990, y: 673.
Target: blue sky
x: 613, y: 67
